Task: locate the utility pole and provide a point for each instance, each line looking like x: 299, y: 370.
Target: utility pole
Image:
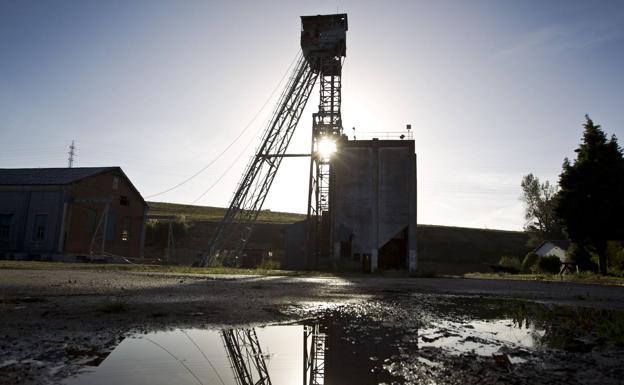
x: 71, y: 153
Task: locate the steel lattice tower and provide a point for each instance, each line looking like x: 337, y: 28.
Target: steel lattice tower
x: 323, y: 43
x: 323, y: 40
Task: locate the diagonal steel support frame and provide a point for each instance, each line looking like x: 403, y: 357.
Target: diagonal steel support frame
x: 245, y: 356
x: 235, y: 228
x: 258, y: 358
x: 242, y: 373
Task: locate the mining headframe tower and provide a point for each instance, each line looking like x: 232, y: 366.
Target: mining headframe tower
x: 361, y: 195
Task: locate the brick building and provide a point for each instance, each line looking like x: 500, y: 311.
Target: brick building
x: 70, y: 213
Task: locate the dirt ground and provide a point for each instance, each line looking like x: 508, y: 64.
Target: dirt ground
x: 55, y: 321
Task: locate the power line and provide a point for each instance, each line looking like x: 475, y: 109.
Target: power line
x: 235, y: 139
x: 226, y: 171
x: 177, y: 359
x: 205, y: 357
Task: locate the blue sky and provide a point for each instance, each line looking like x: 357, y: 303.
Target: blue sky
x: 493, y: 90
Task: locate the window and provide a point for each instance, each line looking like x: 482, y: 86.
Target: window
x: 115, y: 182
x: 39, y: 232
x: 91, y: 220
x: 5, y: 226
x: 125, y: 233
x: 123, y: 200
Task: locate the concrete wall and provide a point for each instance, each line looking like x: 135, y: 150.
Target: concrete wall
x: 441, y: 249
x: 373, y: 198
x: 295, y: 246
x: 192, y: 240
x: 351, y: 198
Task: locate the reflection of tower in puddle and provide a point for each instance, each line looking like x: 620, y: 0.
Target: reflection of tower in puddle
x: 245, y: 355
x: 313, y: 355
x: 248, y: 361
x: 335, y: 352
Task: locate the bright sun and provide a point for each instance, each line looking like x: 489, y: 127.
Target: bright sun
x: 326, y: 147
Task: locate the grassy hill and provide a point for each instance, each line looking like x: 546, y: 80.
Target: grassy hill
x: 458, y: 250
x: 441, y: 249
x: 208, y: 213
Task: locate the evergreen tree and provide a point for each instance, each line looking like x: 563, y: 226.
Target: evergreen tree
x: 590, y: 202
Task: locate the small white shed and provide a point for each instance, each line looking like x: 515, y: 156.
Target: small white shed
x: 556, y: 248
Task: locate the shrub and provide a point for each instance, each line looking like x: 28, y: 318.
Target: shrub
x: 509, y: 264
x: 615, y: 258
x: 530, y: 263
x: 269, y: 264
x: 549, y: 264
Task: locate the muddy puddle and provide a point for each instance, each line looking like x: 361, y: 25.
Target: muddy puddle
x: 195, y: 356
x: 450, y: 341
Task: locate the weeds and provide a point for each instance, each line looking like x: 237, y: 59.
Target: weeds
x: 583, y: 277
x: 37, y: 265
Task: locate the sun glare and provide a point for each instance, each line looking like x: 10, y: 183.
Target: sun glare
x: 326, y: 148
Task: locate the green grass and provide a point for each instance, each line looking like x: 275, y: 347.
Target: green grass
x: 208, y: 213
x: 37, y: 265
x: 580, y: 278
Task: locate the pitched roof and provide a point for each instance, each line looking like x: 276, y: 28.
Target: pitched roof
x: 48, y: 176
x: 560, y: 243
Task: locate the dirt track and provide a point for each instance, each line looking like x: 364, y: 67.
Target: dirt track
x: 47, y: 315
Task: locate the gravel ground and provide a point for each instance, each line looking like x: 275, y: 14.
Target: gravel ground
x: 55, y: 321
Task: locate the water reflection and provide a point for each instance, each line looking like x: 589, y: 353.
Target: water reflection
x: 245, y: 355
x: 480, y: 337
x: 336, y: 350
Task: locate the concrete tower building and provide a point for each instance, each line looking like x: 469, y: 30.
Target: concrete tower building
x: 372, y: 206
x: 370, y: 222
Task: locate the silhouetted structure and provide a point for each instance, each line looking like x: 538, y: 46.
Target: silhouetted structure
x: 372, y: 204
x: 69, y: 213
x: 323, y: 49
